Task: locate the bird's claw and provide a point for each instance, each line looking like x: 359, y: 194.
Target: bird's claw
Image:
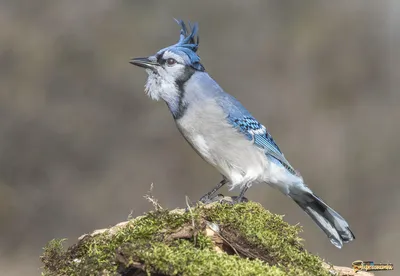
x: 233, y: 200
x: 207, y: 199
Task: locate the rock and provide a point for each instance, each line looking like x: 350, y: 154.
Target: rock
x: 212, y: 239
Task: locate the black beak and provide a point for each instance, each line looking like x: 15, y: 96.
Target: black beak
x: 143, y: 62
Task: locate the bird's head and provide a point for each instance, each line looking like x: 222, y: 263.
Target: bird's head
x: 171, y: 67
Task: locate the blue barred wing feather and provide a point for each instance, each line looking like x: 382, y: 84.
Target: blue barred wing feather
x: 258, y: 134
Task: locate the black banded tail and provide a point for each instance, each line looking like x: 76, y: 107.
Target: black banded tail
x: 333, y: 224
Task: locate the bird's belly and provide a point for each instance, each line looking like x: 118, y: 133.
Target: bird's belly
x: 225, y: 148
x: 241, y: 163
x: 238, y: 162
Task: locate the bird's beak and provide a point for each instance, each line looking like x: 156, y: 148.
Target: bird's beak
x: 143, y: 62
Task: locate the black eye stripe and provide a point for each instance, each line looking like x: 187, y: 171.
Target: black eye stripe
x: 162, y: 61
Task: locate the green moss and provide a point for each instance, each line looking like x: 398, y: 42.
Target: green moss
x: 53, y: 254
x: 167, y: 243
x: 182, y: 258
x: 276, y: 240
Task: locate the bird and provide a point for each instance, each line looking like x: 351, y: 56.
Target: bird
x: 225, y: 134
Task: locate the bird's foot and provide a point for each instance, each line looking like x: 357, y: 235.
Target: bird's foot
x: 207, y: 199
x: 220, y: 198
x: 233, y: 200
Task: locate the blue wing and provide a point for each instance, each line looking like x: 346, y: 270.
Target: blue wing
x: 243, y: 121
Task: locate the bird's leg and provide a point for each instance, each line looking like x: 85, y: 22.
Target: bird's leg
x: 241, y: 197
x: 207, y: 197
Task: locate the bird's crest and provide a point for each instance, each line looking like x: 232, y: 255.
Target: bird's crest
x: 188, y: 43
x: 186, y: 40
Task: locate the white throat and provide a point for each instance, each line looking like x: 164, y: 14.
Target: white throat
x: 158, y: 87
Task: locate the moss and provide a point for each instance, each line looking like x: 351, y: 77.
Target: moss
x: 53, y: 254
x: 182, y: 258
x: 277, y: 241
x: 176, y: 243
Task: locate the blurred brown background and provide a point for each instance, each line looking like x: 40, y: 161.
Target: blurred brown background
x: 80, y: 143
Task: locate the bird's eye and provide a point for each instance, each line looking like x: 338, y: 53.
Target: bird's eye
x: 171, y: 61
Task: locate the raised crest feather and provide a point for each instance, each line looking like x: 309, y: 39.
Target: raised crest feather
x: 187, y: 40
x: 188, y: 45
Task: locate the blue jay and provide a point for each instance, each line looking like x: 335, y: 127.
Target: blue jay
x: 225, y: 134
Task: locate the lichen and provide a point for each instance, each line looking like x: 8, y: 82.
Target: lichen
x: 174, y: 243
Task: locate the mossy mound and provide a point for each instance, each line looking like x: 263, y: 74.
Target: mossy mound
x: 216, y: 239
